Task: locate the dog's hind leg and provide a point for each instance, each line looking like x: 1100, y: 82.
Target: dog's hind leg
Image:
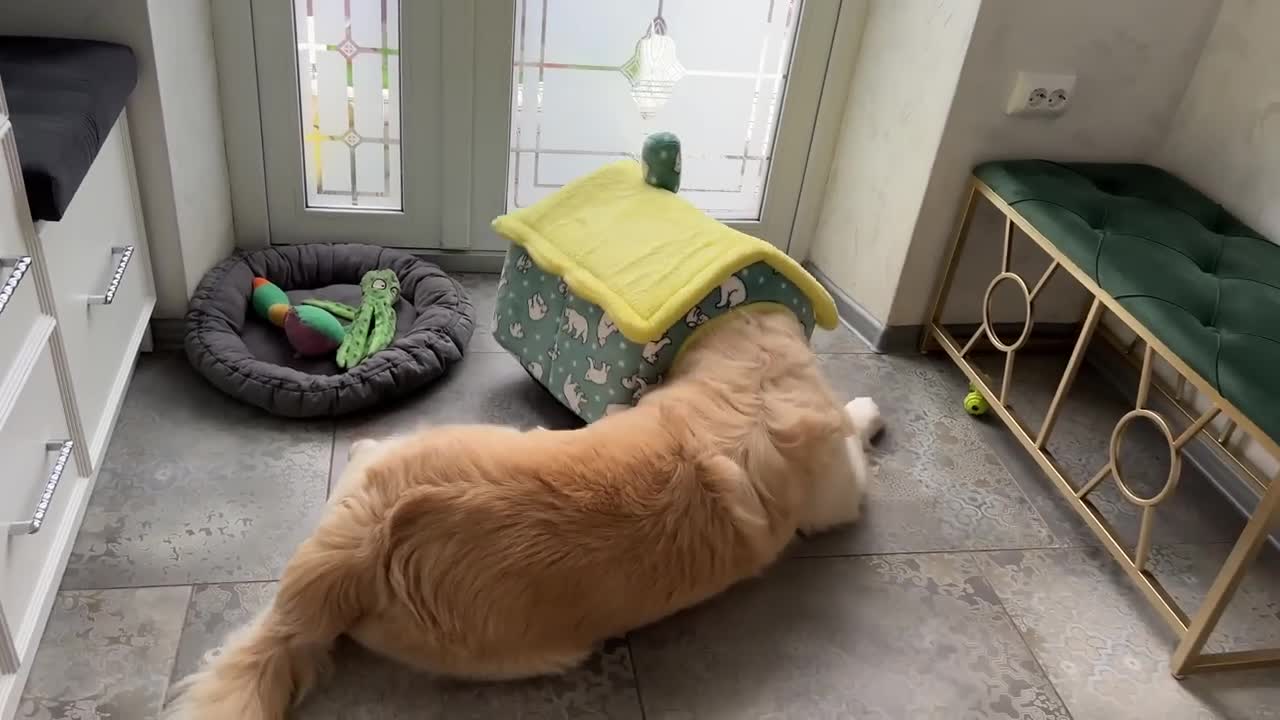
x: 396, y: 634
x: 515, y: 667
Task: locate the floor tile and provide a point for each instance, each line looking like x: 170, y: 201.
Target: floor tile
x: 842, y: 340
x: 482, y: 388
x: 197, y: 487
x: 935, y: 485
x: 483, y: 290
x: 105, y: 654
x: 1107, y: 652
x: 885, y: 637
x: 214, y: 611
x: 367, y: 687
x: 1252, y: 619
x: 1195, y: 513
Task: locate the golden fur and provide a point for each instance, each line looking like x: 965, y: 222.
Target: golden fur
x: 486, y: 552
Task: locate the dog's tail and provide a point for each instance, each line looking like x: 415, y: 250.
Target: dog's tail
x: 331, y: 581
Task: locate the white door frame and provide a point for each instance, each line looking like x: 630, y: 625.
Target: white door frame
x: 466, y: 212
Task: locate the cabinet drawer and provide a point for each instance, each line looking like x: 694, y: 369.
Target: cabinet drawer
x: 89, y: 266
x: 29, y: 462
x: 19, y: 307
x: 15, y: 216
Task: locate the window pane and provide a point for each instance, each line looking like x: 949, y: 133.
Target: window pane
x: 593, y: 78
x: 349, y: 93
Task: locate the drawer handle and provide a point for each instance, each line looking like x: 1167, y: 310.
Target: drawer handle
x: 126, y: 254
x: 32, y: 526
x: 20, y: 266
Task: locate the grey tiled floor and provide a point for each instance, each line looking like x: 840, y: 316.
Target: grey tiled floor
x: 968, y: 591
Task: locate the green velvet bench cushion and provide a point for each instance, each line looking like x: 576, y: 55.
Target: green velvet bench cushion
x: 1201, y: 281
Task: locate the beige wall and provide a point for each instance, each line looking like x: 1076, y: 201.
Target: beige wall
x: 897, y: 188
x: 1132, y: 60
x: 1225, y: 138
x: 174, y: 124
x: 903, y: 81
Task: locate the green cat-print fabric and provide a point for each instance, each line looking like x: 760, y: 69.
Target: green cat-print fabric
x: 574, y: 349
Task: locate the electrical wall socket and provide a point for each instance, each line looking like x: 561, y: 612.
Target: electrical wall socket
x: 1040, y: 93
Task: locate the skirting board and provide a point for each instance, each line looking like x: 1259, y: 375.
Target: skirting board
x: 167, y: 333
x: 899, y: 339
x: 856, y: 318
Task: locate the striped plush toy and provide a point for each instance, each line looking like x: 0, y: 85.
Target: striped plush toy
x: 311, y: 330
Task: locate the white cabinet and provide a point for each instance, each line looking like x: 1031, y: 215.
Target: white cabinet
x: 44, y: 493
x: 100, y: 275
x: 75, y: 300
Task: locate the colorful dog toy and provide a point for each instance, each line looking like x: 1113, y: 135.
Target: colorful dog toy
x: 975, y: 403
x: 311, y: 331
x: 373, y: 324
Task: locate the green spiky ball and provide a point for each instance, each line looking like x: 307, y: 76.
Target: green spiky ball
x: 975, y: 404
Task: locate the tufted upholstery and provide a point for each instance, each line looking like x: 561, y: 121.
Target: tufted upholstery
x: 1203, y: 282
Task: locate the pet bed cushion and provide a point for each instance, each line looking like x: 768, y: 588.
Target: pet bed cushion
x: 643, y: 255
x: 250, y: 359
x: 64, y: 97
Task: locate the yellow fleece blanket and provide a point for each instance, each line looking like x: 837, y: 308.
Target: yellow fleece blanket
x: 642, y: 254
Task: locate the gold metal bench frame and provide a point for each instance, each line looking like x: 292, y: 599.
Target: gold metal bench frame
x: 1192, y: 631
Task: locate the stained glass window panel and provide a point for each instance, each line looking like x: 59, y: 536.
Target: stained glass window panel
x: 349, y: 97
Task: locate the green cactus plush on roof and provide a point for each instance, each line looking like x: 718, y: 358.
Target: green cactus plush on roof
x: 373, y: 324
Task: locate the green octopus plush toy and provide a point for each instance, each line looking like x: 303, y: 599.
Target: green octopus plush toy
x: 373, y: 324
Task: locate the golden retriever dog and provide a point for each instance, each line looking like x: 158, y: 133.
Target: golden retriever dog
x: 489, y: 553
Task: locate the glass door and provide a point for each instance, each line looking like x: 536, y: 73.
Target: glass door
x: 334, y: 87
x: 737, y: 80
x: 411, y: 123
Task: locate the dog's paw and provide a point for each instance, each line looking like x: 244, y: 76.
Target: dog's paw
x: 865, y: 415
x: 361, y: 446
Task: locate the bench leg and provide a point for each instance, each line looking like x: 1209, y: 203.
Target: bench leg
x: 1224, y: 586
x: 949, y: 270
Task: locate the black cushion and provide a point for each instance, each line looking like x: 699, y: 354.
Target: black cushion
x: 249, y: 359
x: 64, y: 97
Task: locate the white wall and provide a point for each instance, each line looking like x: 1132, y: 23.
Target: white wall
x: 182, y: 37
x: 1132, y: 60
x: 174, y: 121
x: 896, y: 191
x: 1225, y: 138
x: 904, y: 77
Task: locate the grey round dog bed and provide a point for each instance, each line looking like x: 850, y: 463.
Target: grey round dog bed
x: 250, y: 359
